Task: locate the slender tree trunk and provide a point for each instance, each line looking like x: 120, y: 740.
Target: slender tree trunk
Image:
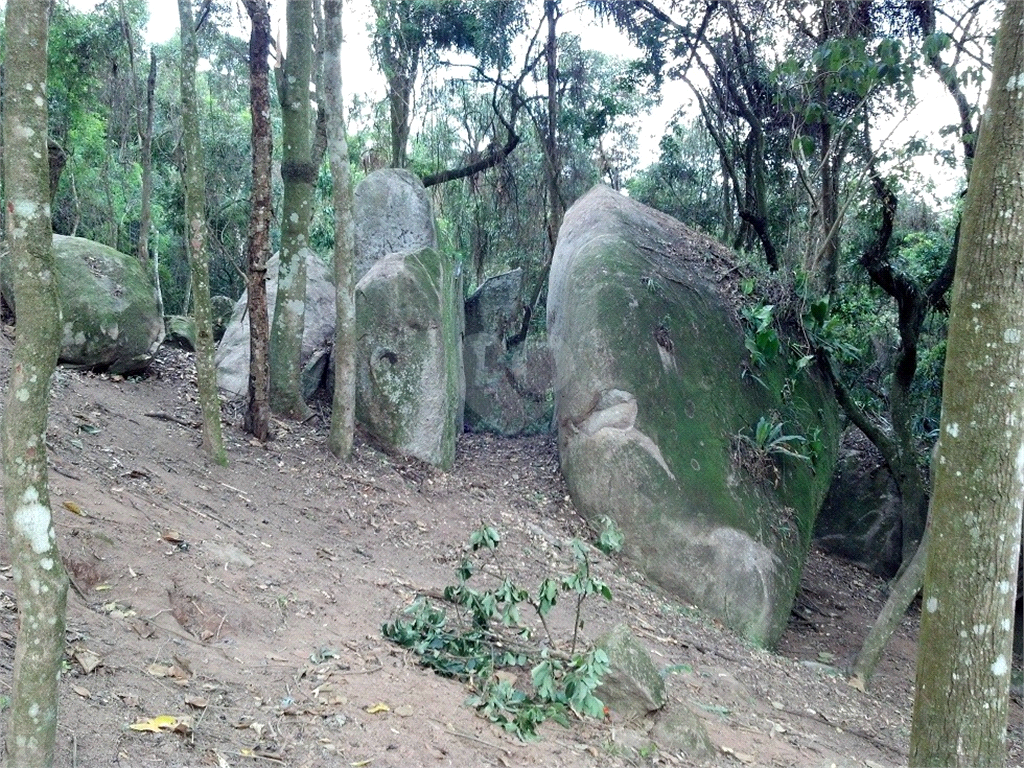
x: 299, y: 174
x: 145, y: 206
x: 197, y: 237
x: 343, y: 410
x: 963, y: 673
x: 39, y: 578
x: 556, y: 207
x: 257, y: 414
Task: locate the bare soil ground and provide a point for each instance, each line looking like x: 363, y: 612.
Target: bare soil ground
x: 247, y: 601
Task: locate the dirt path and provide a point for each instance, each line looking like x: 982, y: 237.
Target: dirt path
x: 249, y: 600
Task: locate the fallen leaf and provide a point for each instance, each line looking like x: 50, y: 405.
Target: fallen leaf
x: 87, y: 659
x: 378, y: 708
x: 103, y: 587
x: 856, y: 682
x: 172, y: 536
x: 197, y: 701
x: 70, y: 506
x: 83, y: 692
x: 157, y: 724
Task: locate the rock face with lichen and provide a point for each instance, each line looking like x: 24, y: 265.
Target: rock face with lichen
x: 317, y: 334
x: 508, y: 377
x: 658, y: 403
x: 410, y: 384
x: 110, y: 308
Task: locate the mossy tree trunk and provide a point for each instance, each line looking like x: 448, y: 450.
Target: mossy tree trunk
x: 39, y: 578
x: 298, y: 171
x: 257, y: 413
x: 343, y: 408
x: 197, y: 236
x: 963, y: 672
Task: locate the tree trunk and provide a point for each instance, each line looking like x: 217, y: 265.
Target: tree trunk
x: 145, y: 206
x: 963, y: 674
x: 197, y: 236
x: 299, y: 174
x: 39, y: 578
x: 343, y: 408
x: 257, y: 413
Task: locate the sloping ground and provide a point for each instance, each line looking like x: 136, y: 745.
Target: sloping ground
x: 249, y: 599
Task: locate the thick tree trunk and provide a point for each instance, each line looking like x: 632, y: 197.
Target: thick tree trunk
x: 963, y: 674
x: 257, y: 413
x: 299, y: 173
x: 39, y: 578
x: 197, y: 234
x: 343, y: 409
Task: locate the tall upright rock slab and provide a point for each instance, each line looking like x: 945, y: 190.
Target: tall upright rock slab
x: 508, y: 379
x: 653, y: 398
x: 391, y: 212
x: 410, y: 385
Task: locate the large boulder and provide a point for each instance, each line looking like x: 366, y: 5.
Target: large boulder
x: 861, y: 517
x: 657, y: 407
x: 508, y: 379
x: 109, y: 304
x: 391, y: 212
x: 318, y: 333
x: 410, y: 385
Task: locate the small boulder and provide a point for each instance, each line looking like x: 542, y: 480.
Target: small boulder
x: 110, y: 308
x: 391, y: 212
x: 508, y: 381
x: 181, y: 332
x: 632, y: 686
x: 679, y: 731
x: 318, y: 333
x: 410, y: 385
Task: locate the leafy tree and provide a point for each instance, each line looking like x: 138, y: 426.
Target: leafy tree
x: 409, y: 35
x: 963, y: 673
x: 198, y: 234
x: 39, y: 577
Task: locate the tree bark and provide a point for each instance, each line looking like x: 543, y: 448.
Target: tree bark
x: 963, y: 673
x: 257, y: 412
x: 39, y: 578
x: 145, y: 205
x: 197, y: 237
x: 299, y: 173
x: 343, y: 407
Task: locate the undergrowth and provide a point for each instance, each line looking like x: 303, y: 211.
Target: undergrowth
x: 481, y: 638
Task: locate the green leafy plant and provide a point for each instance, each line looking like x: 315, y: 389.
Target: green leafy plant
x: 759, y: 449
x: 485, y: 633
x: 760, y: 337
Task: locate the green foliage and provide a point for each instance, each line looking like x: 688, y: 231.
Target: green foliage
x: 488, y: 634
x: 768, y: 439
x: 760, y: 337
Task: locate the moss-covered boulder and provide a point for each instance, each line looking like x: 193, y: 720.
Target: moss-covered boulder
x: 110, y: 308
x: 410, y: 385
x: 659, y: 404
x: 508, y: 377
